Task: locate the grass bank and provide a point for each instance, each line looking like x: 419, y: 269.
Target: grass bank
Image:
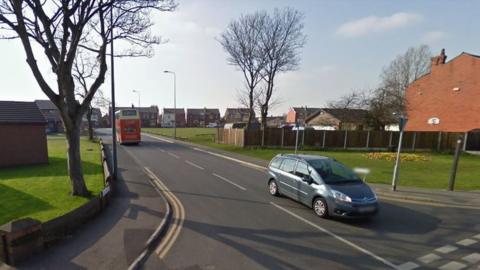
x: 433, y: 172
x: 43, y: 191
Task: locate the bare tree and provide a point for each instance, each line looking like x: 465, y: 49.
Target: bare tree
x: 402, y: 71
x: 240, y: 41
x: 62, y: 29
x: 83, y: 71
x: 281, y: 40
x: 356, y: 99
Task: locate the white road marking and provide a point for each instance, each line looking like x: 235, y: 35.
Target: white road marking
x: 341, y: 239
x: 446, y: 249
x: 452, y: 266
x: 408, y: 266
x: 157, y: 138
x: 228, y: 181
x: 245, y: 163
x: 472, y: 258
x: 173, y: 155
x: 477, y: 236
x: 194, y: 165
x: 467, y: 242
x: 429, y: 258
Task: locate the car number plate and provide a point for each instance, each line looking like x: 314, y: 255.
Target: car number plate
x: 366, y: 209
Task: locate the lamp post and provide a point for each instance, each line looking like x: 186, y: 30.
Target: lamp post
x: 114, y: 131
x: 174, y: 102
x: 138, y: 93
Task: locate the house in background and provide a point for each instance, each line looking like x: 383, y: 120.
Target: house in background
x: 23, y: 139
x: 274, y: 121
x: 51, y: 114
x: 447, y: 98
x: 237, y: 115
x: 168, y: 116
x: 338, y: 119
x: 148, y: 115
x: 202, y: 117
x: 299, y: 114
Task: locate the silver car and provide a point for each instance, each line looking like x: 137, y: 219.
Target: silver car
x: 326, y: 185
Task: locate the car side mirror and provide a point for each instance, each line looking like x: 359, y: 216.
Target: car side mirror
x: 308, y: 179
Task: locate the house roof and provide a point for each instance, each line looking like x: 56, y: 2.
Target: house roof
x: 307, y: 109
x: 199, y: 111
x: 344, y: 115
x: 45, y: 104
x: 20, y: 112
x: 237, y: 110
x: 151, y: 109
x: 171, y: 110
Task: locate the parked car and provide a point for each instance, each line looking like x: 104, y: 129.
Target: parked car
x: 322, y: 183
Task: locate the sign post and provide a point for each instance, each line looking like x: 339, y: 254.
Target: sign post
x: 401, y: 125
x: 453, y: 174
x: 297, y: 128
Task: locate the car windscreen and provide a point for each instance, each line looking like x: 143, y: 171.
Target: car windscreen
x: 333, y: 172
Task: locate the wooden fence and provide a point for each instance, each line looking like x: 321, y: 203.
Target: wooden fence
x: 277, y: 137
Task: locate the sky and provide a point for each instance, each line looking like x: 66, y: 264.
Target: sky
x: 348, y: 44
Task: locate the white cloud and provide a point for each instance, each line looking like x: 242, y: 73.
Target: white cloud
x: 433, y: 37
x: 374, y: 24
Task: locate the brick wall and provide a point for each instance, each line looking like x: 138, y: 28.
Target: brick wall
x: 451, y: 93
x: 22, y: 145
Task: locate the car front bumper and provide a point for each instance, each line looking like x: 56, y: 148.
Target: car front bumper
x: 354, y: 210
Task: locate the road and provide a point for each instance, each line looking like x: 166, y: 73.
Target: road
x: 231, y: 222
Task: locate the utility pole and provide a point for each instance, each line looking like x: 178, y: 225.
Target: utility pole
x: 456, y: 157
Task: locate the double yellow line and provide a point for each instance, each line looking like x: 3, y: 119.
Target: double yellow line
x: 178, y: 216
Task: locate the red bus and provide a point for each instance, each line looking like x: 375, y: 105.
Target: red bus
x: 128, y: 126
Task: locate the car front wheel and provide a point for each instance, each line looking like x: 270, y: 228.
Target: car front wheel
x: 273, y: 188
x: 320, y: 207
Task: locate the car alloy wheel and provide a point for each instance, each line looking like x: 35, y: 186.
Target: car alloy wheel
x: 320, y: 207
x: 272, y: 187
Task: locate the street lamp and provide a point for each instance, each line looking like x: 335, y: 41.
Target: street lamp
x: 112, y: 73
x: 174, y: 103
x: 138, y: 93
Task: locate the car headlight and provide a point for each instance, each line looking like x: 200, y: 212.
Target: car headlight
x: 339, y: 196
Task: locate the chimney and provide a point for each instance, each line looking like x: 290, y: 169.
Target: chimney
x: 440, y: 59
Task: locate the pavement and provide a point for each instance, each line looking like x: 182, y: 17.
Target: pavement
x: 115, y: 238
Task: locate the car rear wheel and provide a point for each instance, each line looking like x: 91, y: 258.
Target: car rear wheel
x: 273, y: 188
x: 320, y: 207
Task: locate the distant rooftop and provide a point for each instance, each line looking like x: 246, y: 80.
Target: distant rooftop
x: 15, y: 112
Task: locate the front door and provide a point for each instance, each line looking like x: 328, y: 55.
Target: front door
x: 305, y: 191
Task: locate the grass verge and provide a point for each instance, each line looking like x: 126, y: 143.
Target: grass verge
x: 43, y: 191
x: 432, y: 173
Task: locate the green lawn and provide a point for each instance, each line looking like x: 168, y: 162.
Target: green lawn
x: 43, y: 191
x: 433, y: 173
x: 196, y: 135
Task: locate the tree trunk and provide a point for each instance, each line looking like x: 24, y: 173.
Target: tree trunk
x: 90, y: 127
x: 74, y: 161
x: 264, y: 112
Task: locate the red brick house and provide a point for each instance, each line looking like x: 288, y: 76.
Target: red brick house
x: 202, y: 117
x: 23, y: 138
x: 448, y: 98
x: 299, y: 114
